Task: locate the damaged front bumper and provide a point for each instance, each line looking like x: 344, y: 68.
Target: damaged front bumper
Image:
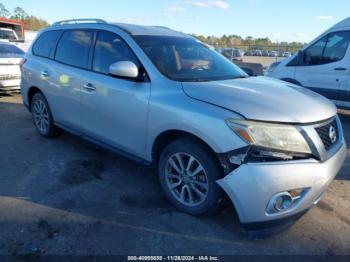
x: 252, y: 186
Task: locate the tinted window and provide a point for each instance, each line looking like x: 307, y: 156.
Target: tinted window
x: 74, y: 47
x: 336, y: 47
x: 185, y: 59
x: 109, y: 49
x: 46, y: 43
x: 7, y: 51
x: 313, y: 54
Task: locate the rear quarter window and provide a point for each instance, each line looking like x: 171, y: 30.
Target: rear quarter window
x: 46, y: 43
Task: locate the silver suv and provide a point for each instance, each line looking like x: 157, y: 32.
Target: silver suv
x: 163, y: 98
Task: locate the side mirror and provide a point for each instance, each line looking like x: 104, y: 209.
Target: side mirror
x: 301, y: 57
x: 125, y: 69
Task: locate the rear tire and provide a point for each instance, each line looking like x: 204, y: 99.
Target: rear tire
x: 42, y: 117
x: 188, y: 173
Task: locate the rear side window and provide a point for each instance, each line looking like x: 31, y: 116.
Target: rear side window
x: 110, y: 48
x: 74, y: 47
x: 46, y: 43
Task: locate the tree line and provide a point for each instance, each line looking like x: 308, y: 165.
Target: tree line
x: 248, y: 43
x: 31, y: 22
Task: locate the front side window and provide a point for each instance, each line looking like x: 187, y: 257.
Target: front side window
x: 329, y: 49
x: 313, y: 55
x: 336, y: 47
x: 109, y: 49
x: 74, y: 47
x: 46, y: 43
x: 185, y: 59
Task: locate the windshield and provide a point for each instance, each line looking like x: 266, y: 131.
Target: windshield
x: 8, y: 51
x: 6, y: 34
x: 185, y: 59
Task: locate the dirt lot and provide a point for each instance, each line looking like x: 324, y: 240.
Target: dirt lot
x: 66, y: 196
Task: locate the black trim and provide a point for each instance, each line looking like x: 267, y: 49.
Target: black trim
x: 108, y: 147
x: 292, y: 81
x: 256, y: 230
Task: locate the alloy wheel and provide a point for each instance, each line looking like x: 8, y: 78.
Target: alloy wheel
x: 186, y: 179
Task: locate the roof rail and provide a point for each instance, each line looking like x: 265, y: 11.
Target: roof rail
x: 79, y: 21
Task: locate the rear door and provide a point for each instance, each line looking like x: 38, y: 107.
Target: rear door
x: 114, y: 110
x: 71, y: 63
x: 325, y: 69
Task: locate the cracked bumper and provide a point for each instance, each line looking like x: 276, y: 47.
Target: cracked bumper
x: 251, y: 186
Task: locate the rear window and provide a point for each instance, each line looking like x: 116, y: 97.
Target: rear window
x: 6, y: 34
x: 74, y: 47
x: 8, y: 51
x: 46, y: 43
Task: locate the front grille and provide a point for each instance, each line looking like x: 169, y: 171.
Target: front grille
x: 324, y: 133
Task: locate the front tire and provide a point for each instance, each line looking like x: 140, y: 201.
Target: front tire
x: 188, y: 173
x: 42, y: 117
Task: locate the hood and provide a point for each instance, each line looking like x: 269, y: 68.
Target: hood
x: 264, y: 99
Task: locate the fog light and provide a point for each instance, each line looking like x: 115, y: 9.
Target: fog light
x: 283, y: 201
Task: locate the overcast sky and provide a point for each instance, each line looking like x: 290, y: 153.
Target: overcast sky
x: 280, y: 20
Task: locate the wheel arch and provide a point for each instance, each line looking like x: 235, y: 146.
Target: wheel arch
x: 31, y: 92
x: 166, y: 137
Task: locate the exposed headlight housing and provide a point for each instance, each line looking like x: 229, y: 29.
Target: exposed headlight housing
x: 281, y: 137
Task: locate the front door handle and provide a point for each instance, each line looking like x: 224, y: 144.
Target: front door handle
x: 89, y: 87
x: 45, y: 73
x: 340, y: 68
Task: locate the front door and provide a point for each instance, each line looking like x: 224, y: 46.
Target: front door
x: 114, y: 110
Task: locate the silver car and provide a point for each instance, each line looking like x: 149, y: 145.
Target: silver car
x: 162, y: 98
x: 10, y: 74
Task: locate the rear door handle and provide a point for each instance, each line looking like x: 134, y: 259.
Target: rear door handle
x: 340, y: 68
x: 89, y: 87
x: 45, y: 73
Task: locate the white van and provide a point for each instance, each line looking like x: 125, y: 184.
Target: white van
x: 322, y: 66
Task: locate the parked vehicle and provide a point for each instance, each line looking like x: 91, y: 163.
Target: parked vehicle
x: 15, y: 29
x: 8, y: 34
x: 258, y: 53
x: 287, y: 54
x: 232, y: 54
x: 265, y: 53
x: 160, y: 97
x: 10, y: 74
x: 249, y: 53
x: 273, y: 54
x: 322, y: 66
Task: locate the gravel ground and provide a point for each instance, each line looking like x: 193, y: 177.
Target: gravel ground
x: 66, y: 196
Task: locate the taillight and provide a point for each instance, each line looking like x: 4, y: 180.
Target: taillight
x: 22, y: 62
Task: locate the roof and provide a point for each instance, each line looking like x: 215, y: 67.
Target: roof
x: 129, y: 28
x: 341, y: 24
x: 148, y: 30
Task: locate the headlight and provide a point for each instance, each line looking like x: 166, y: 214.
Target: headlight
x: 268, y: 135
